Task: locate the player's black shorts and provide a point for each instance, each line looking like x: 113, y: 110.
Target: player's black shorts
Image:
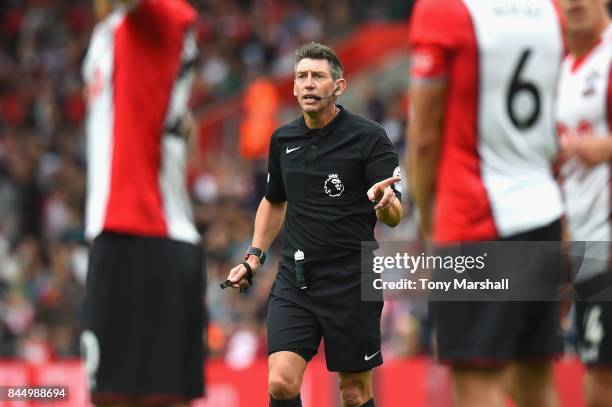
x: 144, y: 320
x: 330, y: 308
x: 492, y: 333
x: 594, y: 325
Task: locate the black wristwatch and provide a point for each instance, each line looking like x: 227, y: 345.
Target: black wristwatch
x: 256, y: 251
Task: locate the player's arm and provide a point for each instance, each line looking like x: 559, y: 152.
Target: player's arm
x: 428, y: 102
x: 158, y: 17
x: 592, y: 150
x: 435, y: 32
x: 424, y: 140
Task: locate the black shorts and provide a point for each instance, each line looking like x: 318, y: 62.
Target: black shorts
x: 144, y: 320
x: 594, y: 328
x: 330, y: 308
x: 493, y: 333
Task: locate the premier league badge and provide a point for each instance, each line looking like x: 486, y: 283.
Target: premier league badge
x: 333, y: 186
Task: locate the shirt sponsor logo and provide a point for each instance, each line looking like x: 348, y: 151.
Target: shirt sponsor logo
x: 591, y: 85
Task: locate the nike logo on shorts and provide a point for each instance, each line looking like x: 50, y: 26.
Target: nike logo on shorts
x: 291, y: 150
x: 368, y: 357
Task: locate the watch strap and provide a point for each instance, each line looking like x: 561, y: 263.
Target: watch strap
x: 256, y: 251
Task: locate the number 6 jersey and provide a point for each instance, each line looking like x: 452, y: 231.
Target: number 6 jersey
x: 500, y: 60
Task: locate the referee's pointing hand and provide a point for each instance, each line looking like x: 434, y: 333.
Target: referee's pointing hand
x: 382, y: 194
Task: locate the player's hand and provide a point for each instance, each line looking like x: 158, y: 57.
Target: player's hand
x: 237, y: 275
x: 382, y: 194
x: 592, y: 150
x: 565, y: 153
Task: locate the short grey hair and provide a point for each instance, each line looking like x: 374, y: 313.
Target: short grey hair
x: 314, y: 50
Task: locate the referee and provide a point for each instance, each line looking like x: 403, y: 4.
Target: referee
x: 331, y: 175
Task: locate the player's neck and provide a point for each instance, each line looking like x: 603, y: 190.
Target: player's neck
x: 322, y: 118
x: 582, y: 43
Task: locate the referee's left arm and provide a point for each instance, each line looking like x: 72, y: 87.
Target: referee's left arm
x: 383, y: 174
x: 388, y: 208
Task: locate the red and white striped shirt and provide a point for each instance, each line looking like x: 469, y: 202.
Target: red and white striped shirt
x: 138, y: 84
x: 584, y: 107
x: 501, y: 60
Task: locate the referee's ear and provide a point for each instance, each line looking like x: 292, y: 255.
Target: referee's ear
x: 340, y: 87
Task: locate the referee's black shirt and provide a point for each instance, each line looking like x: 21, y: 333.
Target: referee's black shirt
x: 324, y: 175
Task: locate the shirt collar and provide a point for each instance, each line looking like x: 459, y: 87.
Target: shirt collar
x: 324, y: 131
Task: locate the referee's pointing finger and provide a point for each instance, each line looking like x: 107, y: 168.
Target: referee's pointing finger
x: 376, y: 192
x: 387, y: 198
x: 389, y: 181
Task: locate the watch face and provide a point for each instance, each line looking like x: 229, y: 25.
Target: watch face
x: 255, y: 251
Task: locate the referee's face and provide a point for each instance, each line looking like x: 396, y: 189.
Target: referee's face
x: 313, y: 78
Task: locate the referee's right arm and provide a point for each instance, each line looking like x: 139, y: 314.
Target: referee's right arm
x: 269, y: 218
x: 268, y: 222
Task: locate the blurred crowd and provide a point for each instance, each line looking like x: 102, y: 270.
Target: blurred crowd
x: 43, y: 254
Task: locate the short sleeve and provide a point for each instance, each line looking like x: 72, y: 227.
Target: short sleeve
x: 437, y: 22
x: 162, y: 14
x: 275, y: 189
x: 429, y: 62
x: 437, y: 29
x: 383, y: 162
